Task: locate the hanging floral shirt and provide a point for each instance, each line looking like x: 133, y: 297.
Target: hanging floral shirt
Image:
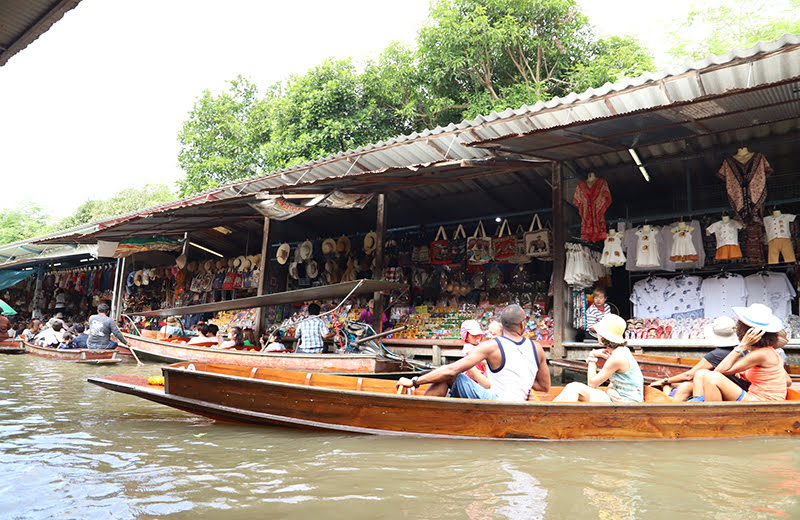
x: 746, y: 184
x: 592, y: 203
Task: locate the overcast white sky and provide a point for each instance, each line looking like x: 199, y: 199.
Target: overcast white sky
x: 95, y: 104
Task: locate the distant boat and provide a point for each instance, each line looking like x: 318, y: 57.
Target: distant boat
x: 12, y: 346
x: 78, y: 355
x: 366, y: 405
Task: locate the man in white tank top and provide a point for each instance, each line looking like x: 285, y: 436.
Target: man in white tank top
x: 516, y: 364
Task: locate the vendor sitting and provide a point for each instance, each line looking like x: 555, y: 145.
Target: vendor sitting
x: 174, y: 329
x: 312, y: 332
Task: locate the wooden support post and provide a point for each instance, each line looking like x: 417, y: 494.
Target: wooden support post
x: 559, y: 261
x: 119, y: 289
x: 380, y: 231
x: 262, y: 278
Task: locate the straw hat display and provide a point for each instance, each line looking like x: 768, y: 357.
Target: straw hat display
x: 238, y: 263
x: 146, y: 277
x: 220, y: 264
x: 181, y: 261
x: 343, y: 245
x: 137, y: 279
x: 293, y: 270
x: 253, y: 262
x: 283, y: 253
x: 208, y: 265
x: 370, y: 242
x: 328, y: 246
x: 312, y: 270
x: 306, y: 250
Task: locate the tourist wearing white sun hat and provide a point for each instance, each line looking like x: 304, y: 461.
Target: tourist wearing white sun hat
x: 755, y: 359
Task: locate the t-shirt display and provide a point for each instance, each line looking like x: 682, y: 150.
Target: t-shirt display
x: 720, y: 293
x: 771, y: 289
x: 778, y: 225
x: 612, y: 255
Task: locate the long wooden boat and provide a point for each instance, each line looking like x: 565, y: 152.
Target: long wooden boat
x: 11, y: 346
x: 172, y: 352
x: 78, y: 355
x: 653, y: 367
x: 366, y: 405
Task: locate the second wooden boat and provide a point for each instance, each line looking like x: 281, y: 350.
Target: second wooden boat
x: 12, y: 346
x: 173, y: 352
x: 78, y: 355
x: 366, y: 405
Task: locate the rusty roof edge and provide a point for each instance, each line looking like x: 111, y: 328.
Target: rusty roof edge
x: 41, y: 26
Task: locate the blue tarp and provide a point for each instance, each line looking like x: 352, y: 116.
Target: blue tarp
x: 9, y: 278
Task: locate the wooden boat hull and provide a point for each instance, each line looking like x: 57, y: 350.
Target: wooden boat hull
x: 11, y: 346
x: 365, y: 405
x: 83, y: 355
x: 164, y: 352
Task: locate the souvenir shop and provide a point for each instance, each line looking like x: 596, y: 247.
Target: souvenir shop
x: 71, y: 288
x: 672, y: 270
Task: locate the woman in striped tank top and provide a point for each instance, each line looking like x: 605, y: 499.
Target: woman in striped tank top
x: 626, y: 383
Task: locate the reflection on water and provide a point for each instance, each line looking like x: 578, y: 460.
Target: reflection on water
x: 69, y: 449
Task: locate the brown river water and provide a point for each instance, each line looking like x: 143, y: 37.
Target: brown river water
x: 69, y: 449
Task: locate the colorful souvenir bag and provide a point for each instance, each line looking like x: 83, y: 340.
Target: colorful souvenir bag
x: 479, y: 247
x: 521, y: 256
x: 537, y: 240
x: 440, y: 249
x: 458, y: 245
x: 505, y: 244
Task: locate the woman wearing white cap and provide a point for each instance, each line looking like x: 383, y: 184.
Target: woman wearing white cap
x: 620, y: 369
x: 722, y: 334
x: 755, y: 360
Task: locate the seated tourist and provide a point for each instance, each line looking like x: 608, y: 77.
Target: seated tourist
x: 722, y: 334
x: 273, y: 343
x: 213, y: 331
x: 101, y: 328
x: 51, y: 336
x: 235, y: 339
x: 516, y: 364
x: 312, y: 332
x: 621, y: 369
x: 755, y: 360
x: 66, y: 341
x: 204, y: 336
x: 32, y: 330
x: 249, y: 336
x: 80, y: 338
x: 174, y: 329
x: 471, y: 336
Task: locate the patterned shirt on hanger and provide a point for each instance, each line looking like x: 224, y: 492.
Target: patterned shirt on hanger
x: 771, y: 289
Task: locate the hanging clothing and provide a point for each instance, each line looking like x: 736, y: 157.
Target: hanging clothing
x: 592, y: 203
x: 682, y: 296
x: 647, y: 247
x: 612, y: 252
x: 754, y: 247
x: 779, y: 239
x: 648, y: 300
x: 726, y: 232
x: 683, y: 249
x: 746, y: 184
x: 771, y: 289
x: 721, y: 293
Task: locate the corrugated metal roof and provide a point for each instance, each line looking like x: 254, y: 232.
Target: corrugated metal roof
x: 761, y: 76
x: 22, y: 21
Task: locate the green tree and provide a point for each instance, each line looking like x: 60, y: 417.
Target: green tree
x: 125, y: 201
x: 220, y: 140
x: 472, y: 57
x: 24, y: 221
x: 716, y: 27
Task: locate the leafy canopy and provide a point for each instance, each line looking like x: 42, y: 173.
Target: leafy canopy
x: 471, y: 57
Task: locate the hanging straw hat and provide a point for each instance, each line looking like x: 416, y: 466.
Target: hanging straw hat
x: 283, y: 253
x: 328, y: 246
x: 220, y: 264
x: 208, y: 265
x: 370, y: 242
x: 312, y: 269
x: 252, y: 260
x: 146, y: 277
x: 137, y: 279
x: 722, y: 332
x: 245, y: 264
x: 293, y: 270
x: 611, y: 327
x: 181, y: 261
x: 306, y: 250
x: 759, y: 316
x: 343, y: 245
x: 238, y: 263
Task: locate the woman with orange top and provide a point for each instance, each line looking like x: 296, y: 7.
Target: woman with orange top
x: 755, y: 360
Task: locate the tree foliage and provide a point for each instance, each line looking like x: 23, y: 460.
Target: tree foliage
x: 716, y: 27
x: 125, y: 201
x: 26, y: 220
x: 471, y: 57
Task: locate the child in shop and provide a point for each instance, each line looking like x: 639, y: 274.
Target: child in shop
x: 597, y: 310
